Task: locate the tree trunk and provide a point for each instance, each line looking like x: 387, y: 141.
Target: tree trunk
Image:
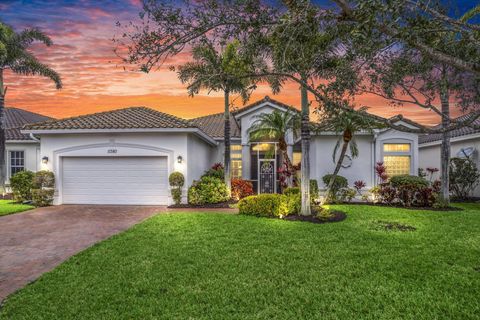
x: 282, y: 145
x: 305, y: 169
x: 2, y: 133
x: 227, y: 160
x: 445, y: 147
x: 328, y: 195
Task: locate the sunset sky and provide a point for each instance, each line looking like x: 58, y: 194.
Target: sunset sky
x: 94, y: 81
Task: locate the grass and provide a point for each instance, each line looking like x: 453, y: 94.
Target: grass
x: 214, y: 266
x: 10, y: 207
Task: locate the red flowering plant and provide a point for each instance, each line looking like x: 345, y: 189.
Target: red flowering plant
x: 359, y: 185
x: 381, y: 171
x: 241, y: 189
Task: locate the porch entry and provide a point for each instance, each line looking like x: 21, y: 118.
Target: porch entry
x: 265, y: 162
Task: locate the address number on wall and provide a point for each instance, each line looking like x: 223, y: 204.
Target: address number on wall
x: 112, y: 151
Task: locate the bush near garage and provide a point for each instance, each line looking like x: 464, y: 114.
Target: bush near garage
x: 43, y: 188
x: 22, y: 184
x: 208, y: 190
x: 176, y: 181
x: 464, y: 177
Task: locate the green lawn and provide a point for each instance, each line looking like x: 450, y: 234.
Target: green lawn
x: 215, y: 266
x: 9, y: 207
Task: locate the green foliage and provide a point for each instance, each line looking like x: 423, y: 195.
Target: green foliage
x: 408, y: 180
x: 274, y: 125
x: 207, y: 190
x: 44, y: 179
x: 294, y: 203
x: 176, y: 179
x: 292, y: 190
x: 42, y: 197
x: 264, y: 205
x: 22, y: 184
x: 347, y: 194
x: 464, y: 177
x: 314, y: 190
x: 339, y: 183
x: 215, y: 173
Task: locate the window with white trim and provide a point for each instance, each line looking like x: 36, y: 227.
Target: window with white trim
x: 397, y: 158
x: 236, y: 157
x: 17, y: 162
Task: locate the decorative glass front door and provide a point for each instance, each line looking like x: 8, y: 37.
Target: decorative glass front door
x: 267, y: 176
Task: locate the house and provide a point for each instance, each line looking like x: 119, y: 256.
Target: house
x: 464, y: 143
x: 22, y: 149
x: 125, y: 156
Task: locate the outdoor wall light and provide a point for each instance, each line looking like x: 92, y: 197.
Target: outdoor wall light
x: 179, y: 159
x: 45, y: 160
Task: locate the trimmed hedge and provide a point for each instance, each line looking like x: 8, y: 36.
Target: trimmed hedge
x: 408, y: 180
x: 22, y: 185
x: 264, y: 205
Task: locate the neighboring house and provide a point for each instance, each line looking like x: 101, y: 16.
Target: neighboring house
x: 464, y: 142
x: 22, y: 149
x: 125, y: 156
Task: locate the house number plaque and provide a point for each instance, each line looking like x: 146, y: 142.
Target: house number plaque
x: 112, y: 151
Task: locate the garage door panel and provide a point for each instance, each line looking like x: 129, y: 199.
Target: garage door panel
x: 115, y: 180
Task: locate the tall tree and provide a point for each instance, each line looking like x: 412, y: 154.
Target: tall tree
x: 277, y: 126
x: 14, y: 56
x: 219, y: 71
x: 345, y: 123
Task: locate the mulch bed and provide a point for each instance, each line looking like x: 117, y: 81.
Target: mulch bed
x: 401, y: 207
x: 337, y: 216
x: 221, y: 205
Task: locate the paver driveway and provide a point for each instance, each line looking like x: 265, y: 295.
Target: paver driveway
x: 36, y: 241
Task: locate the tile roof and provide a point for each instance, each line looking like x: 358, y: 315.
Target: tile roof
x: 427, y: 138
x: 128, y: 118
x: 213, y: 125
x: 16, y: 118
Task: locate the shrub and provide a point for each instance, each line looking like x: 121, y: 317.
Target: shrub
x: 207, y: 190
x: 291, y: 190
x: 264, y: 205
x: 216, y: 171
x: 464, y: 177
x: 294, y: 203
x: 176, y: 181
x: 44, y: 179
x: 241, y: 189
x: 407, y: 180
x: 42, y: 197
x: 313, y: 190
x: 22, y: 184
x: 347, y: 194
x: 339, y: 183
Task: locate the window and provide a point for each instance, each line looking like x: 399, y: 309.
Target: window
x: 17, y: 162
x: 397, y: 158
x: 397, y: 165
x: 236, y: 155
x: 396, y: 147
x: 297, y: 158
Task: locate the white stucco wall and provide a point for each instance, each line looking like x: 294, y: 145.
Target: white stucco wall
x: 394, y: 136
x: 171, y: 145
x: 32, y: 155
x: 201, y: 157
x: 322, y: 162
x: 430, y: 154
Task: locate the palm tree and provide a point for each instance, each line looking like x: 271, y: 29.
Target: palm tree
x: 15, y: 57
x: 276, y: 125
x: 219, y: 71
x: 345, y: 123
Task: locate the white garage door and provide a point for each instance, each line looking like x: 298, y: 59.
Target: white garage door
x: 115, y: 180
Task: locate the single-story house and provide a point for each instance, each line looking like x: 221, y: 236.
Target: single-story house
x: 464, y: 142
x: 125, y: 156
x: 22, y: 149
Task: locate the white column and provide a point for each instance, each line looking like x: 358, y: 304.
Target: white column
x: 246, y: 159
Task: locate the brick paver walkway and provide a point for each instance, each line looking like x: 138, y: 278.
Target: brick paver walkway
x: 34, y: 242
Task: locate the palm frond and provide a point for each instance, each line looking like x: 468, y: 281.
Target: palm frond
x: 335, y: 149
x: 28, y: 36
x: 353, y: 148
x: 28, y: 65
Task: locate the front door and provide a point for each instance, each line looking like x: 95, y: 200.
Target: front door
x: 267, y: 176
